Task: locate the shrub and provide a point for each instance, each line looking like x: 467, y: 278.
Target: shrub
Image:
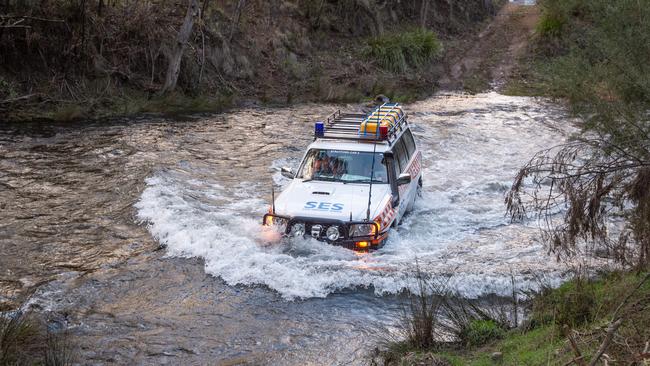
x: 571, y: 304
x: 556, y: 15
x: 422, y: 313
x: 25, y: 341
x: 473, y: 325
x: 7, y: 90
x: 16, y: 335
x: 479, y: 332
x: 59, y: 350
x: 550, y: 25
x: 401, y: 51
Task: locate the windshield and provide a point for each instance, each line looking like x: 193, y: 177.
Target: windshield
x: 343, y: 166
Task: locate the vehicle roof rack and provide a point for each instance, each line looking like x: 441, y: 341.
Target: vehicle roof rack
x: 382, y: 124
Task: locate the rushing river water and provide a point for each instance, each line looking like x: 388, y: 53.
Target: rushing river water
x: 85, y: 208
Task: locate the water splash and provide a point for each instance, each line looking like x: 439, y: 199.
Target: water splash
x: 472, y: 148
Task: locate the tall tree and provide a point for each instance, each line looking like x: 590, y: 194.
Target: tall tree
x: 176, y: 54
x: 424, y: 13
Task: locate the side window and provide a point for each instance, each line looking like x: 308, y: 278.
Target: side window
x: 395, y: 164
x: 401, y: 155
x: 409, y: 142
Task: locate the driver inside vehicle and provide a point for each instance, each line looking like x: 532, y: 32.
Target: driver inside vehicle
x: 338, y: 167
x: 321, y: 164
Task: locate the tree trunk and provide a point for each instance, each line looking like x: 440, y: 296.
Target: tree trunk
x: 424, y: 13
x: 489, y: 7
x: 373, y: 12
x: 176, y: 53
x: 235, y: 19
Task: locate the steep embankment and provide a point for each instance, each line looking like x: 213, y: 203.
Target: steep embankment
x: 488, y: 59
x: 73, y: 60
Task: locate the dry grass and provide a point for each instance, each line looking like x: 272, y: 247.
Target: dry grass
x: 24, y: 340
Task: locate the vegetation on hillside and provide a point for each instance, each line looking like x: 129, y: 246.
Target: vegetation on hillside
x: 400, y: 52
x: 594, y: 54
x: 88, y: 58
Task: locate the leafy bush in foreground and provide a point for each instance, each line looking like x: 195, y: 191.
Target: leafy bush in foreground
x: 479, y: 332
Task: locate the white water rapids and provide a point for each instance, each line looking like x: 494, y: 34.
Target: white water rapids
x: 472, y: 146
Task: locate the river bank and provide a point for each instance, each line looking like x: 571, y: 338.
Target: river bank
x: 566, y: 325
x: 140, y: 236
x: 68, y: 62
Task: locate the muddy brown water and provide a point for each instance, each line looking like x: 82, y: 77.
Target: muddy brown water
x: 142, y: 236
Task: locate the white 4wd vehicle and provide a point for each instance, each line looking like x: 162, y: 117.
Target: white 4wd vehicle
x: 358, y: 178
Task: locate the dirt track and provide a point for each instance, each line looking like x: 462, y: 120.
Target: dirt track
x: 488, y: 60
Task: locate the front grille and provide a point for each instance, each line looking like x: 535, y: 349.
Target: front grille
x: 316, y: 231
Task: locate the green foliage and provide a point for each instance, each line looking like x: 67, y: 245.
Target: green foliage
x: 584, y: 305
x: 479, y: 332
x: 571, y: 304
x: 550, y: 25
x: 555, y: 16
x: 579, y: 301
x: 7, y: 90
x: 400, y: 51
x: 535, y: 347
x: 594, y: 54
x: 601, y: 64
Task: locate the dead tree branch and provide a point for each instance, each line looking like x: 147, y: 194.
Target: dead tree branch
x: 579, y: 358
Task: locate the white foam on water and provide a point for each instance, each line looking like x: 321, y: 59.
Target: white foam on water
x: 457, y: 233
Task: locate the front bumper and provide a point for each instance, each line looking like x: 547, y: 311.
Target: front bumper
x: 316, y: 228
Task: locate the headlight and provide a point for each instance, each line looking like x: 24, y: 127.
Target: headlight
x: 362, y: 230
x: 275, y: 221
x: 298, y: 229
x: 332, y: 233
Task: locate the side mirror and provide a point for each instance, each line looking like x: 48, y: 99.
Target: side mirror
x: 287, y: 172
x: 404, y: 178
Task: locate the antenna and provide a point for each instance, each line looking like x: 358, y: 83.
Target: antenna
x: 272, y: 199
x: 372, y: 174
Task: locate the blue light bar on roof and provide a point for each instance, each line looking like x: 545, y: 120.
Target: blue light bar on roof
x: 319, y: 129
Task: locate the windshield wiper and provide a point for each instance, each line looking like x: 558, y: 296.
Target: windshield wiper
x: 362, y: 181
x: 357, y: 181
x: 324, y: 179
